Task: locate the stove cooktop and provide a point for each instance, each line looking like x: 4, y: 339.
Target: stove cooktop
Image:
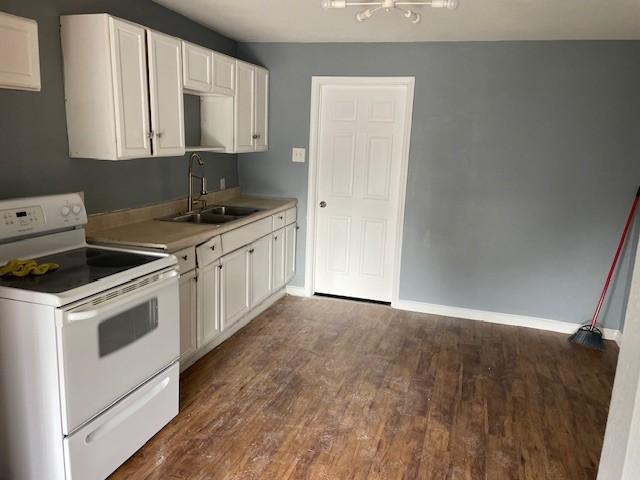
x: 77, y: 268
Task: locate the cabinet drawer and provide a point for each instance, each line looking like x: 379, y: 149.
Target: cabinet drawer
x: 290, y: 215
x: 186, y: 259
x: 278, y: 221
x: 242, y: 236
x: 209, y: 251
x: 101, y: 446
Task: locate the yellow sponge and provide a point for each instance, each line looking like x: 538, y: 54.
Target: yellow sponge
x: 22, y: 268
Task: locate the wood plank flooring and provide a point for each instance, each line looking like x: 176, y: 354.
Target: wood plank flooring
x: 327, y: 389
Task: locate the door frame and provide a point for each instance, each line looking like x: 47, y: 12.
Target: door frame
x: 317, y: 82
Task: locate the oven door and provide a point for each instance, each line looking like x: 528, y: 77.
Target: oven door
x: 114, y: 342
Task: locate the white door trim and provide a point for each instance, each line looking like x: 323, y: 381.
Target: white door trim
x: 312, y: 184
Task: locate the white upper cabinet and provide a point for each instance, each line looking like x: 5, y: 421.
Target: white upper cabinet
x: 224, y: 74
x: 261, y: 99
x: 124, y: 87
x: 131, y: 97
x: 197, y: 68
x: 116, y: 111
x: 251, y: 108
x: 166, y: 98
x: 244, y: 107
x: 19, y: 57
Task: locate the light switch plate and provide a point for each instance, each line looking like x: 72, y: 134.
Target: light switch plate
x: 223, y: 183
x: 298, y: 155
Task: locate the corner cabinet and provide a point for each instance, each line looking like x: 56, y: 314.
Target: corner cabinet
x: 123, y: 89
x: 251, y: 108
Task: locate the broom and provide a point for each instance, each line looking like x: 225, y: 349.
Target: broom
x: 589, y: 335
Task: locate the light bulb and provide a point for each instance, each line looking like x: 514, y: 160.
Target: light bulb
x: 453, y: 4
x: 329, y: 4
x: 362, y: 16
x: 450, y: 4
x: 414, y: 17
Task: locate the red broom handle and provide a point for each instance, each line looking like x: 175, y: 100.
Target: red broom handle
x: 596, y: 314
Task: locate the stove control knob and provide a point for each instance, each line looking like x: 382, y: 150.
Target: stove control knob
x: 76, y: 209
x: 65, y: 211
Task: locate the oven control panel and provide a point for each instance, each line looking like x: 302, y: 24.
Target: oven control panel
x: 40, y: 215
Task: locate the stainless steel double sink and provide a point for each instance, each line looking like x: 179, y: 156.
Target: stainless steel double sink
x: 213, y: 215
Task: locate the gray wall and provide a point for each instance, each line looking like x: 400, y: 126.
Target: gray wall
x: 34, y: 153
x: 524, y: 158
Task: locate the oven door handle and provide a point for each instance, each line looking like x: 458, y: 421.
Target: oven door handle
x: 80, y: 315
x: 86, y: 315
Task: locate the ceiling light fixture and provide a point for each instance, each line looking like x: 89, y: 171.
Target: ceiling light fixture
x: 388, y: 5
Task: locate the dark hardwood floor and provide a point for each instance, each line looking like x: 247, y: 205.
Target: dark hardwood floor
x: 327, y: 389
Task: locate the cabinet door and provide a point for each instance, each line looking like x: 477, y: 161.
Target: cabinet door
x: 224, y: 74
x: 290, y: 251
x: 244, y: 107
x: 19, y: 58
x: 235, y: 284
x: 188, y: 314
x: 278, y: 258
x: 261, y: 269
x: 165, y: 94
x: 208, y: 303
x: 197, y: 68
x: 261, y: 109
x: 129, y: 69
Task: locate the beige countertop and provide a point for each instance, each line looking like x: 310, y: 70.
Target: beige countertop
x: 173, y: 236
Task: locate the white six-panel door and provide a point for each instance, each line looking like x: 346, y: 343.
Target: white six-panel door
x: 129, y: 60
x: 360, y: 147
x: 166, y: 97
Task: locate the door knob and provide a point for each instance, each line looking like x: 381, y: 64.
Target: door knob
x: 323, y: 204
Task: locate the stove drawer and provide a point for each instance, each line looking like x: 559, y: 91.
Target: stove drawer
x: 101, y: 446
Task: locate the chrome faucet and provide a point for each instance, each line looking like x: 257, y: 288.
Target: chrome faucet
x: 203, y: 182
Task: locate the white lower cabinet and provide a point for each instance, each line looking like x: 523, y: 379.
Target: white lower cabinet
x: 278, y: 259
x: 290, y: 251
x: 229, y: 287
x: 261, y: 268
x: 188, y: 314
x: 208, y: 303
x: 234, y: 286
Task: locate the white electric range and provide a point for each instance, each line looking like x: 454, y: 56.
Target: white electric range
x: 88, y: 352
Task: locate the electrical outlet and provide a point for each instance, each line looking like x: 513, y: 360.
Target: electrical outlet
x: 223, y: 183
x: 298, y: 155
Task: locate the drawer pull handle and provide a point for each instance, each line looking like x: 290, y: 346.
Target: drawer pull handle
x: 280, y: 217
x: 276, y: 237
x: 185, y: 257
x: 251, y: 251
x: 213, y: 247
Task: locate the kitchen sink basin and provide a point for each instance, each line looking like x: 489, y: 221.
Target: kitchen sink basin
x: 233, y: 211
x: 203, y: 217
x: 213, y: 215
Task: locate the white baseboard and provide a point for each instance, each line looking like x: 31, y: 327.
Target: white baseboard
x: 297, y: 291
x: 500, y: 318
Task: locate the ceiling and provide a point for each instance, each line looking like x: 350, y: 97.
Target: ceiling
x: 474, y: 20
